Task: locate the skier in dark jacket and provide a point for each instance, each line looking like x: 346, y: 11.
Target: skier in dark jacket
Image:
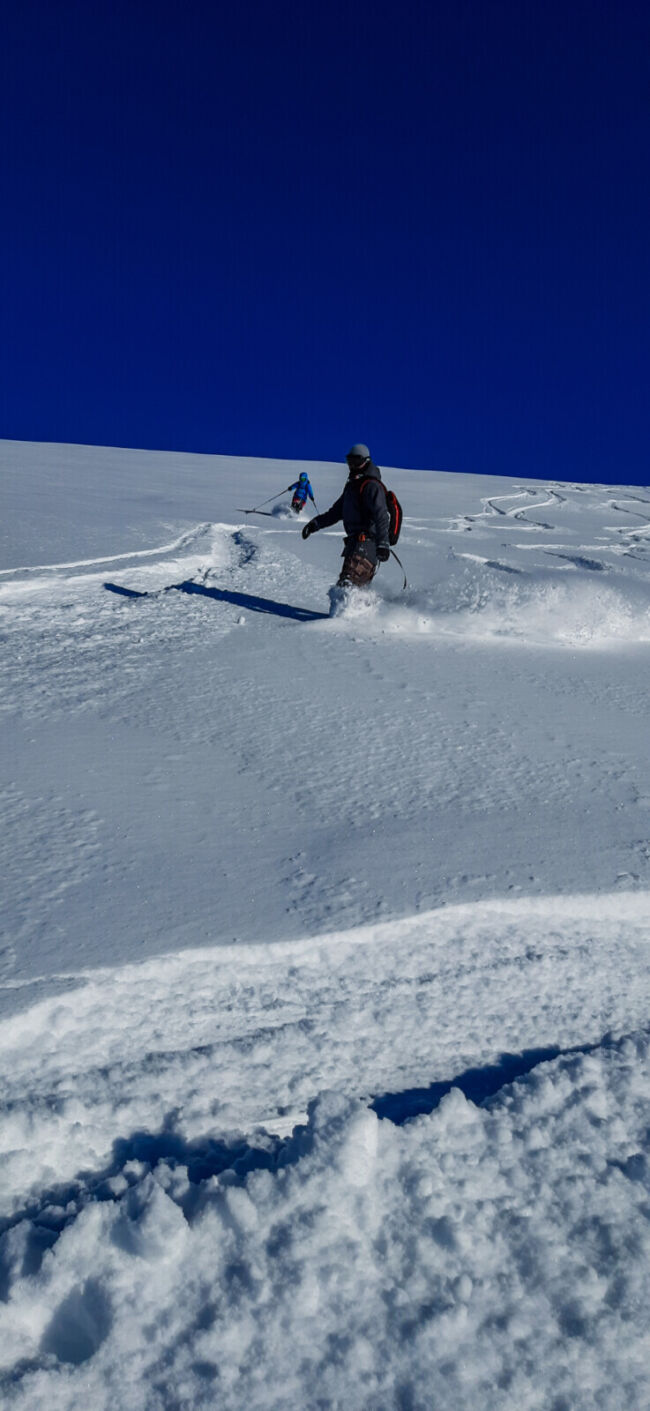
x: 366, y: 521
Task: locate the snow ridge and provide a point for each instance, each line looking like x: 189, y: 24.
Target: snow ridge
x: 191, y: 1290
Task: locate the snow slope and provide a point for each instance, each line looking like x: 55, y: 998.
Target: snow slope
x: 324, y: 976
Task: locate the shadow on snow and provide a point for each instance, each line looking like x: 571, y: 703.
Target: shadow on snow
x: 477, y: 1084
x: 249, y: 601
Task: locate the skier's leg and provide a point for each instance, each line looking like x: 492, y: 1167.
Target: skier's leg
x: 359, y: 564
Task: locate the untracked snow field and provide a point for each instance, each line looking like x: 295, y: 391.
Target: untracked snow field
x: 325, y: 962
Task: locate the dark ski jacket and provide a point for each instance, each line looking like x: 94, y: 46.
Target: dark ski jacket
x: 363, y: 512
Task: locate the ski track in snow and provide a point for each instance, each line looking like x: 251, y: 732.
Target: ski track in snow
x: 199, y: 1206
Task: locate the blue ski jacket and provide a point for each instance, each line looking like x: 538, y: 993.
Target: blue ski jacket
x: 302, y: 488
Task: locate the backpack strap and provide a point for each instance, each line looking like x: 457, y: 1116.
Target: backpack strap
x: 368, y: 480
x: 372, y: 480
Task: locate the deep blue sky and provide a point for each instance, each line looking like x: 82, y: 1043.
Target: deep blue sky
x: 272, y: 227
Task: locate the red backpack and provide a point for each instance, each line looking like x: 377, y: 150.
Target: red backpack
x: 392, y: 505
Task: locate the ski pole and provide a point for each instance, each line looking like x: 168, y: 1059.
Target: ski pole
x: 399, y: 561
x: 267, y: 502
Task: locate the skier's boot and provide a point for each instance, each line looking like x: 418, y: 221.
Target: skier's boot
x: 356, y: 575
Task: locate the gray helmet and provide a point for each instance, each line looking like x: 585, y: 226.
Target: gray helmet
x: 357, y: 455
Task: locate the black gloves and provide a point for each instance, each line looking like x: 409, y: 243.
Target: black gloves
x: 310, y: 528
x: 383, y: 552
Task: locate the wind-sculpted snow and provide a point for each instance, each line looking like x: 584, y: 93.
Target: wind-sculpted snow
x: 492, y: 1256
x: 189, y: 1208
x: 238, y: 1038
x: 290, y: 897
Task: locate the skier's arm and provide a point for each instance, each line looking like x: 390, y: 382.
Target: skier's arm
x: 292, y: 487
x: 331, y: 516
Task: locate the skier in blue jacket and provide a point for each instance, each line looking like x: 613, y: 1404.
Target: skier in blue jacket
x: 302, y: 489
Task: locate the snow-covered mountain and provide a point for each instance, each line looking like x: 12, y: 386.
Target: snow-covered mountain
x: 324, y: 976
